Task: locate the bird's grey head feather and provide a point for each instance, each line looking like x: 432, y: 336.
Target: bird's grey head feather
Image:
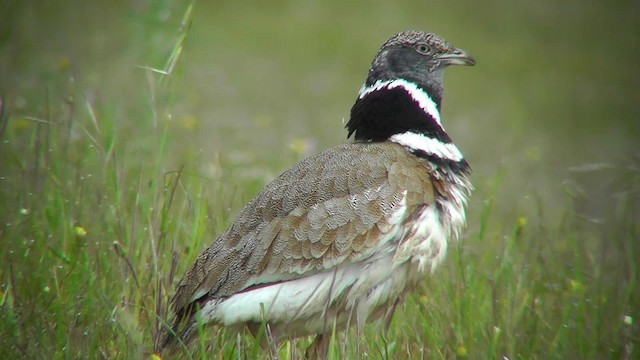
x: 416, y: 56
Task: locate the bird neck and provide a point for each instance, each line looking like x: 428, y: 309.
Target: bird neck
x: 406, y: 113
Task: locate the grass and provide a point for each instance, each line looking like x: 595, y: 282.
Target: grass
x: 110, y: 191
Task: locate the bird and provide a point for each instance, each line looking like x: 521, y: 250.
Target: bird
x: 339, y: 239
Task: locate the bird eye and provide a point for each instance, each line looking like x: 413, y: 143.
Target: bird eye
x: 422, y: 48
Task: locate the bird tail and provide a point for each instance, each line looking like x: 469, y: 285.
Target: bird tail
x: 178, y: 337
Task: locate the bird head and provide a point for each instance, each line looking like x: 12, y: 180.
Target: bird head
x: 418, y: 57
x: 402, y: 95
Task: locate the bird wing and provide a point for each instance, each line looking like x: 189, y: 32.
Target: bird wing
x: 339, y: 206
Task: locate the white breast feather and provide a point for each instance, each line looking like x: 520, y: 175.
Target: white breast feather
x: 434, y: 228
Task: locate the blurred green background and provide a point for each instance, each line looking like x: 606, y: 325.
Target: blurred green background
x: 549, y: 119
x: 556, y: 85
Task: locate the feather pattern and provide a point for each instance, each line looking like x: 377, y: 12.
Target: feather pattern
x: 278, y: 234
x: 359, y: 242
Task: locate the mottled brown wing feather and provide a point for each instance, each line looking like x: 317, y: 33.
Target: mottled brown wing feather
x: 329, y: 209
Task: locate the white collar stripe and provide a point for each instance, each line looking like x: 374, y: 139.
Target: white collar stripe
x: 419, y: 142
x: 417, y: 94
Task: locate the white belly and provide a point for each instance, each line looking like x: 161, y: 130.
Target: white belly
x: 353, y: 290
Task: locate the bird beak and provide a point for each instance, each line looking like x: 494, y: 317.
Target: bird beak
x: 458, y: 57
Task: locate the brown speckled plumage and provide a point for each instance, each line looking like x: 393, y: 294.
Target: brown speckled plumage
x: 341, y: 236
x: 315, y: 215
